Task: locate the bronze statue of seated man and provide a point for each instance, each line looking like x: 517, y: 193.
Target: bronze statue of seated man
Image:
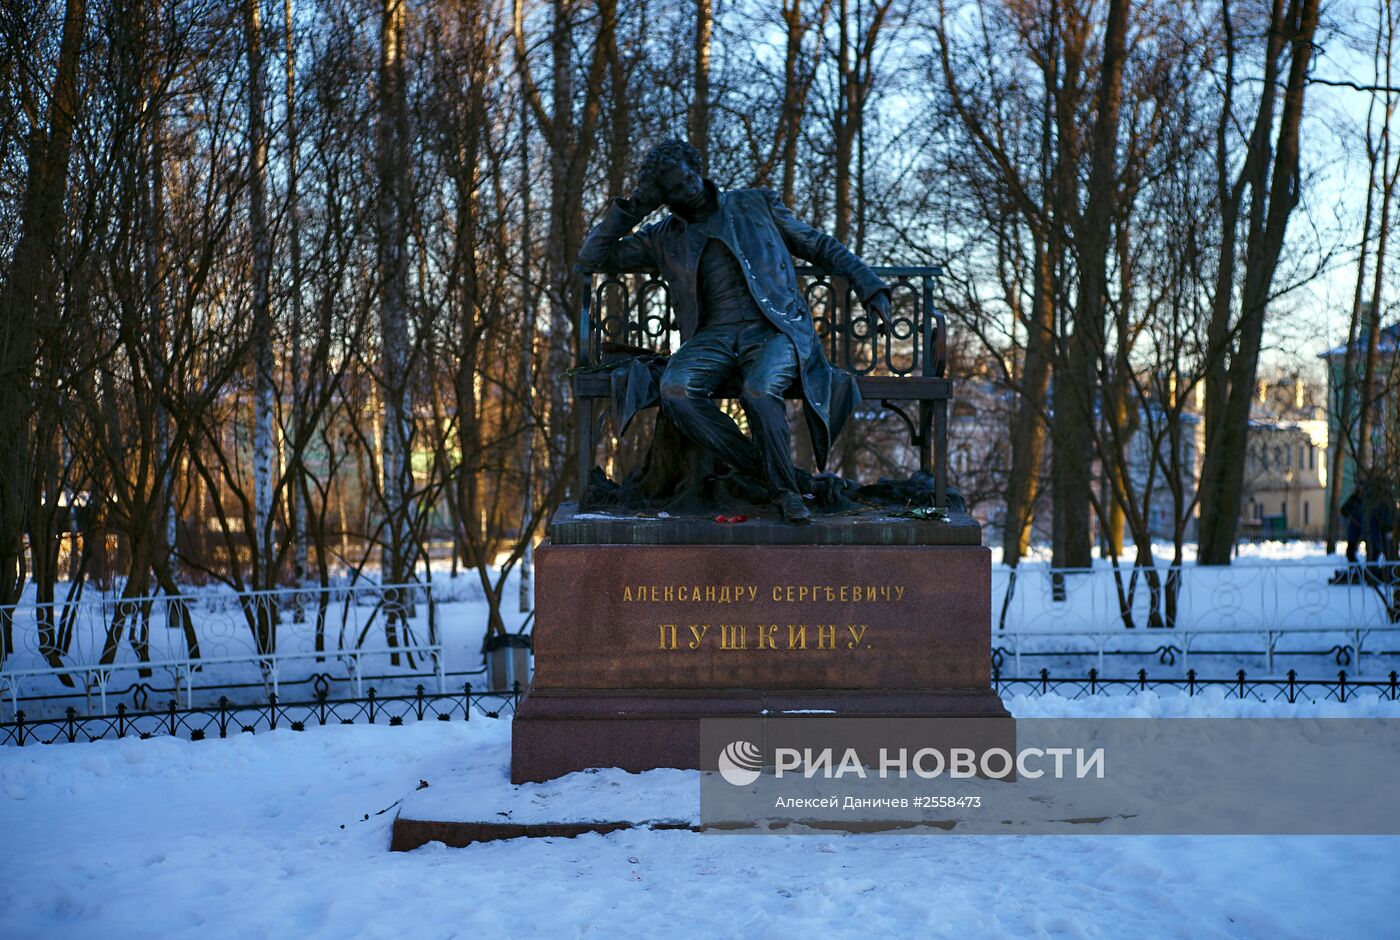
x: 726, y: 258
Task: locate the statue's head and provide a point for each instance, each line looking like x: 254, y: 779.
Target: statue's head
x: 672, y: 170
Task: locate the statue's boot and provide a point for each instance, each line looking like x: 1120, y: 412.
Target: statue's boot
x: 793, y: 508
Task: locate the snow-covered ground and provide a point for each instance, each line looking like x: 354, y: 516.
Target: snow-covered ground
x: 230, y: 654
x: 282, y: 835
x: 1245, y: 552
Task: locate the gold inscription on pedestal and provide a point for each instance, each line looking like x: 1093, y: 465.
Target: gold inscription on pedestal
x: 748, y: 593
x: 763, y: 635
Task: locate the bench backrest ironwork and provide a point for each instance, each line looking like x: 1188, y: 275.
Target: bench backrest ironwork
x: 634, y: 309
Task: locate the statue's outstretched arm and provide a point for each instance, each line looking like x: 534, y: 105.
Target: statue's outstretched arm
x: 822, y: 250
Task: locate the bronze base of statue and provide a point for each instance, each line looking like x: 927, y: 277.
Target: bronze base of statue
x: 760, y: 526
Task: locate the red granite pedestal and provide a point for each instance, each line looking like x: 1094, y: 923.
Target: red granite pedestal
x: 636, y: 644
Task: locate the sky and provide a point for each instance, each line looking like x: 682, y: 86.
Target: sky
x: 1316, y: 318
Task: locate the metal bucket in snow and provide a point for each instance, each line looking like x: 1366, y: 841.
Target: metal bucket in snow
x: 507, y: 661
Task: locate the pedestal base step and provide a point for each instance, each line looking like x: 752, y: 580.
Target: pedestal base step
x: 556, y: 732
x: 474, y: 801
x: 409, y: 834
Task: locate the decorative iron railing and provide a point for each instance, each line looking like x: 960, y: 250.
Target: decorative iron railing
x: 1289, y: 688
x: 1265, y: 609
x: 225, y: 718
x: 213, y: 637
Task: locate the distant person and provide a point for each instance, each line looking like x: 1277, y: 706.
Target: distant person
x: 1351, y: 515
x: 1377, y: 520
x: 1369, y: 517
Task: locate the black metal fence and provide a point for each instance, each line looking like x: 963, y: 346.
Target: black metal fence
x: 140, y: 695
x: 1288, y: 689
x: 225, y: 718
x: 1168, y: 654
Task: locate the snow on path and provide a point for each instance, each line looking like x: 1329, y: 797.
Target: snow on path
x: 243, y: 838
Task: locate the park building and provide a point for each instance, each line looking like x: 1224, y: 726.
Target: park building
x: 1285, y: 480
x: 1285, y: 473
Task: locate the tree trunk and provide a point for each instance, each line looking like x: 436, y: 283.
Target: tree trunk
x: 620, y: 125
x: 845, y: 123
x: 466, y: 180
x: 161, y: 355
x: 264, y: 401
x: 855, y: 52
x: 1272, y: 199
x: 571, y: 143
x: 564, y: 197
x: 527, y: 353
x: 393, y: 221
x: 1028, y: 429
x: 788, y: 120
x: 1369, y: 393
x: 699, y: 122
x: 844, y: 119
x: 1345, y: 403
x: 1028, y: 424
x: 299, y: 491
x: 29, y: 298
x: 797, y: 82
x: 1075, y: 385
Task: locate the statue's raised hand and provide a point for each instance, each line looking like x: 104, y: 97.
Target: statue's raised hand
x: 645, y: 198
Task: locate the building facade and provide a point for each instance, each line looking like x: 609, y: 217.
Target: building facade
x: 1343, y: 424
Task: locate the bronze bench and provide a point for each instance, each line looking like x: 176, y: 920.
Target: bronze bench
x: 906, y: 366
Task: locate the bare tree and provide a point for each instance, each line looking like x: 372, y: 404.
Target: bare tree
x: 395, y: 193
x: 570, y: 135
x: 298, y: 495
x: 1260, y: 198
x: 1385, y: 172
x: 265, y: 392
x: 30, y: 295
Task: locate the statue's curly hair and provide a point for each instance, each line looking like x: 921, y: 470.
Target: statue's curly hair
x: 665, y: 155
